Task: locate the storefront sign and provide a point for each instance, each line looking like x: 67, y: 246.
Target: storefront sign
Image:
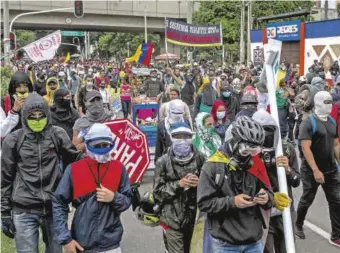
x: 284, y: 31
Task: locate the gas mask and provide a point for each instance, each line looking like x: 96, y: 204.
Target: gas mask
x: 323, y: 105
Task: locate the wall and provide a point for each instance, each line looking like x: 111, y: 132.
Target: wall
x: 322, y: 43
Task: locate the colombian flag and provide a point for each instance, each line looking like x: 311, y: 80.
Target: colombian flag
x: 142, y: 55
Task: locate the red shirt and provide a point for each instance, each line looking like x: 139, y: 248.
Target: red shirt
x: 99, y: 80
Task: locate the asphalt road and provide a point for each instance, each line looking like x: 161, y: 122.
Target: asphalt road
x: 141, y: 239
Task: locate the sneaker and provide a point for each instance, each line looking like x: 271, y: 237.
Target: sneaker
x: 334, y: 242
x: 300, y: 233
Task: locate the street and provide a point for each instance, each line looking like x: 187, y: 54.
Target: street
x: 142, y: 239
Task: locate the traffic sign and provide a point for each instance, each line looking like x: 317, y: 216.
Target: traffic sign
x: 130, y: 148
x: 72, y: 33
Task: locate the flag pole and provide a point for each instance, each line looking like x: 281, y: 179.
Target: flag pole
x: 145, y: 27
x: 222, y: 44
x: 166, y: 43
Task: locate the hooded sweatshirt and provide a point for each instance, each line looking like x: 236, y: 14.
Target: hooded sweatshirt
x: 50, y: 93
x: 17, y: 78
x: 62, y: 114
x: 33, y: 170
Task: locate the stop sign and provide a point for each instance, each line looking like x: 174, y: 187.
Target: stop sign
x: 130, y: 148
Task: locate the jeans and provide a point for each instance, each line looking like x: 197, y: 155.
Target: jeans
x: 223, y: 247
x: 331, y: 187
x: 126, y: 107
x: 27, y: 235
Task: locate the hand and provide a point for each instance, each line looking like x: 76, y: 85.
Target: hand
x: 282, y: 161
x: 281, y: 200
x: 104, y: 195
x: 8, y: 226
x: 262, y: 197
x: 18, y: 104
x: 189, y: 180
x: 241, y: 202
x: 72, y: 247
x: 318, y: 176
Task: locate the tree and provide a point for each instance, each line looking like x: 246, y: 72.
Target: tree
x: 228, y: 14
x: 117, y: 43
x: 338, y: 9
x: 25, y: 37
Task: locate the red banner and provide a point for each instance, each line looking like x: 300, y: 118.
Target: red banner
x: 130, y: 148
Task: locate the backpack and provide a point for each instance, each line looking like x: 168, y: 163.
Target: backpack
x: 313, y: 121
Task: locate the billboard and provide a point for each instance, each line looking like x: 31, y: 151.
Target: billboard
x: 284, y: 31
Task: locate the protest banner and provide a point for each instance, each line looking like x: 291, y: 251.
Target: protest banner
x: 130, y: 148
x: 181, y: 33
x: 44, y: 48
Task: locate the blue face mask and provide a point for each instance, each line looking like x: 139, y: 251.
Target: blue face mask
x: 98, y: 151
x: 226, y: 94
x: 182, y: 148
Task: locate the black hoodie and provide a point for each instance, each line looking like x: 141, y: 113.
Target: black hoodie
x: 17, y: 78
x: 30, y: 163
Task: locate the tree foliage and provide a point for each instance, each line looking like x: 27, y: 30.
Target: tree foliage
x: 117, y: 43
x: 228, y: 13
x: 338, y: 9
x: 25, y: 37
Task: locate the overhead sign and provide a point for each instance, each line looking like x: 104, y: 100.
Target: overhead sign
x: 130, y: 148
x: 284, y: 31
x: 181, y: 33
x: 45, y: 48
x: 72, y: 33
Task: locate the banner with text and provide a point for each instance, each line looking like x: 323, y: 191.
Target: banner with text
x: 45, y: 48
x: 181, y: 33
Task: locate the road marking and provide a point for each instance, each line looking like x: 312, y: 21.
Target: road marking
x: 317, y: 230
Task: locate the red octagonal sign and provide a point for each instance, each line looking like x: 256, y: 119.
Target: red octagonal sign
x: 130, y: 148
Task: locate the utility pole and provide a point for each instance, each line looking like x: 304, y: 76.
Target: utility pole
x: 6, y: 32
x: 250, y: 22
x: 190, y: 10
x: 326, y: 9
x: 242, y: 58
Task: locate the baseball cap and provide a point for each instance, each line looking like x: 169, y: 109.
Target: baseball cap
x: 91, y: 95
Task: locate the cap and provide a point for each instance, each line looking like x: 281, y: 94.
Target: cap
x: 99, y: 133
x: 92, y: 94
x: 180, y: 127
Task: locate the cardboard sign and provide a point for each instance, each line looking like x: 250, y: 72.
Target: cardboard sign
x: 130, y: 148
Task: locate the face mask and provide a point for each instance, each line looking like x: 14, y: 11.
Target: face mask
x: 89, y: 83
x: 102, y: 86
x: 37, y: 125
x: 100, y: 158
x: 182, y: 148
x: 22, y: 95
x: 95, y: 107
x: 220, y: 115
x: 65, y: 103
x: 323, y: 112
x: 226, y: 94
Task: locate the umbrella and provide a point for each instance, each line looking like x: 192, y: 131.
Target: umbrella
x: 164, y: 57
x: 75, y: 55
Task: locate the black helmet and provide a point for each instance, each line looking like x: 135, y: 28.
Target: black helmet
x: 248, y: 130
x: 148, y: 210
x: 248, y: 98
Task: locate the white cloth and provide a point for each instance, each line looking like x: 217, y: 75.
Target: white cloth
x: 118, y: 250
x: 105, y: 95
x: 321, y: 109
x: 7, y: 123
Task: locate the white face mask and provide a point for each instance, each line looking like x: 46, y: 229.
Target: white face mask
x: 100, y: 158
x: 321, y: 109
x: 220, y: 115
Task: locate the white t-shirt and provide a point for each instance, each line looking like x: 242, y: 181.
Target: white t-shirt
x: 105, y: 95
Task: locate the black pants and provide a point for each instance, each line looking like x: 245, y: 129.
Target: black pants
x: 331, y: 187
x: 73, y: 102
x: 178, y: 241
x: 126, y: 107
x: 291, y: 124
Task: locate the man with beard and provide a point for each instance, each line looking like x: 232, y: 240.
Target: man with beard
x: 62, y: 114
x: 95, y: 113
x: 153, y: 87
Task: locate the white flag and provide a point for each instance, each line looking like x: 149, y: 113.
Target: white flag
x: 45, y: 48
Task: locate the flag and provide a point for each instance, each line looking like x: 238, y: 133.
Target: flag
x: 258, y: 170
x: 44, y: 48
x: 280, y: 75
x: 143, y: 54
x: 68, y: 57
